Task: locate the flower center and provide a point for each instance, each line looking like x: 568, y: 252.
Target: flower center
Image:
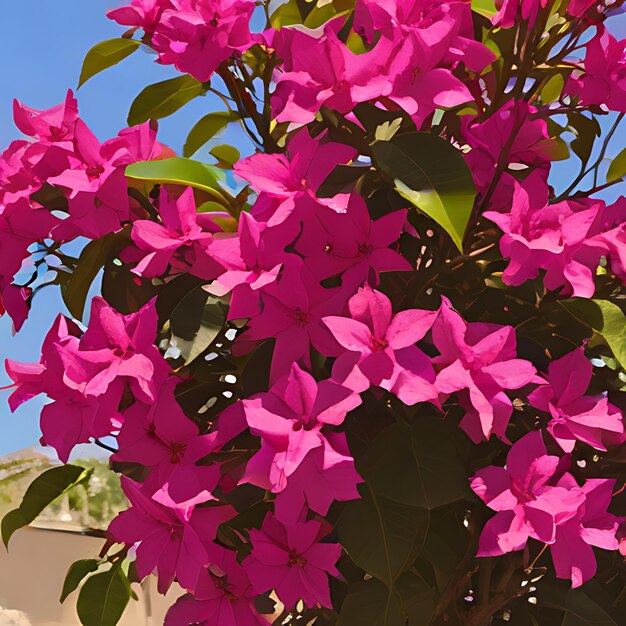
x: 93, y: 171
x: 377, y: 345
x: 365, y: 248
x: 301, y: 317
x: 295, y: 559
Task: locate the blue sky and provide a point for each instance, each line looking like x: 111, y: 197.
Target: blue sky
x: 43, y: 44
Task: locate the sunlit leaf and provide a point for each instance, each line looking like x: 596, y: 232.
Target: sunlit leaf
x: 605, y: 318
x: 164, y: 98
x: 104, y: 55
x: 177, y: 171
x: 205, y: 129
x: 617, y: 169
x: 431, y: 174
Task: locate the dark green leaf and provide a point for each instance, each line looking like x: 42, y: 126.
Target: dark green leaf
x: 75, y: 574
x: 617, y: 169
x: 605, y: 318
x: 418, y: 599
x: 432, y: 174
x: 196, y: 322
x: 44, y: 490
x: 205, y: 129
x: 578, y: 608
x: 92, y: 258
x: 103, y: 598
x: 586, y: 130
x: 369, y: 603
x: 381, y: 536
x: 104, y: 55
x: 341, y: 180
x: 164, y: 98
x: 177, y: 171
x: 417, y: 466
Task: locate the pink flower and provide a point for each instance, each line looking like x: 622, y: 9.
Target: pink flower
x: 52, y: 125
x: 289, y: 419
x: 382, y: 348
x: 292, y: 312
x: 531, y: 144
x: 180, y: 241
x: 575, y: 416
x: 85, y: 376
x: 479, y: 361
x: 72, y: 417
x: 558, y: 238
x: 174, y: 545
x: 440, y: 32
x: 114, y: 347
x: 604, y: 79
x: 164, y: 439
x: 283, y: 181
x: 223, y: 596
x: 572, y: 552
x: 144, y: 14
x: 352, y: 243
x: 252, y: 260
x: 344, y: 78
x: 565, y: 516
x: 197, y: 35
x: 326, y: 474
x: 325, y: 72
x: 94, y: 179
x: 508, y: 11
x: 291, y: 560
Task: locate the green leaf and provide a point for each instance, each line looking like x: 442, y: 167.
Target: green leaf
x: 418, y: 599
x: 176, y: 171
x: 341, y: 180
x: 578, y: 608
x: 369, y: 603
x: 206, y: 128
x: 382, y: 537
x: 104, y: 55
x: 103, y: 598
x: 605, y: 318
x: 43, y: 491
x: 75, y: 574
x: 286, y: 14
x: 162, y: 99
x: 551, y: 91
x: 617, y: 169
x: 484, y: 7
x: 417, y: 466
x: 195, y: 323
x: 226, y: 155
x: 91, y: 260
x: 586, y: 130
x: 431, y: 174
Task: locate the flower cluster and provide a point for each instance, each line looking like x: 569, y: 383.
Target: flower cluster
x: 63, y: 166
x: 324, y: 304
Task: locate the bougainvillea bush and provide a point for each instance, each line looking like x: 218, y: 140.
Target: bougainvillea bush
x: 371, y: 373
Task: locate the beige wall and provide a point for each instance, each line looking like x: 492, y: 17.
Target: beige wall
x: 32, y: 574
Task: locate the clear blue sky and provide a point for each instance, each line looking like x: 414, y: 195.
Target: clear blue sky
x: 43, y: 43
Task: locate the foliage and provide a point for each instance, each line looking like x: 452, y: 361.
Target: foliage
x: 373, y: 371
